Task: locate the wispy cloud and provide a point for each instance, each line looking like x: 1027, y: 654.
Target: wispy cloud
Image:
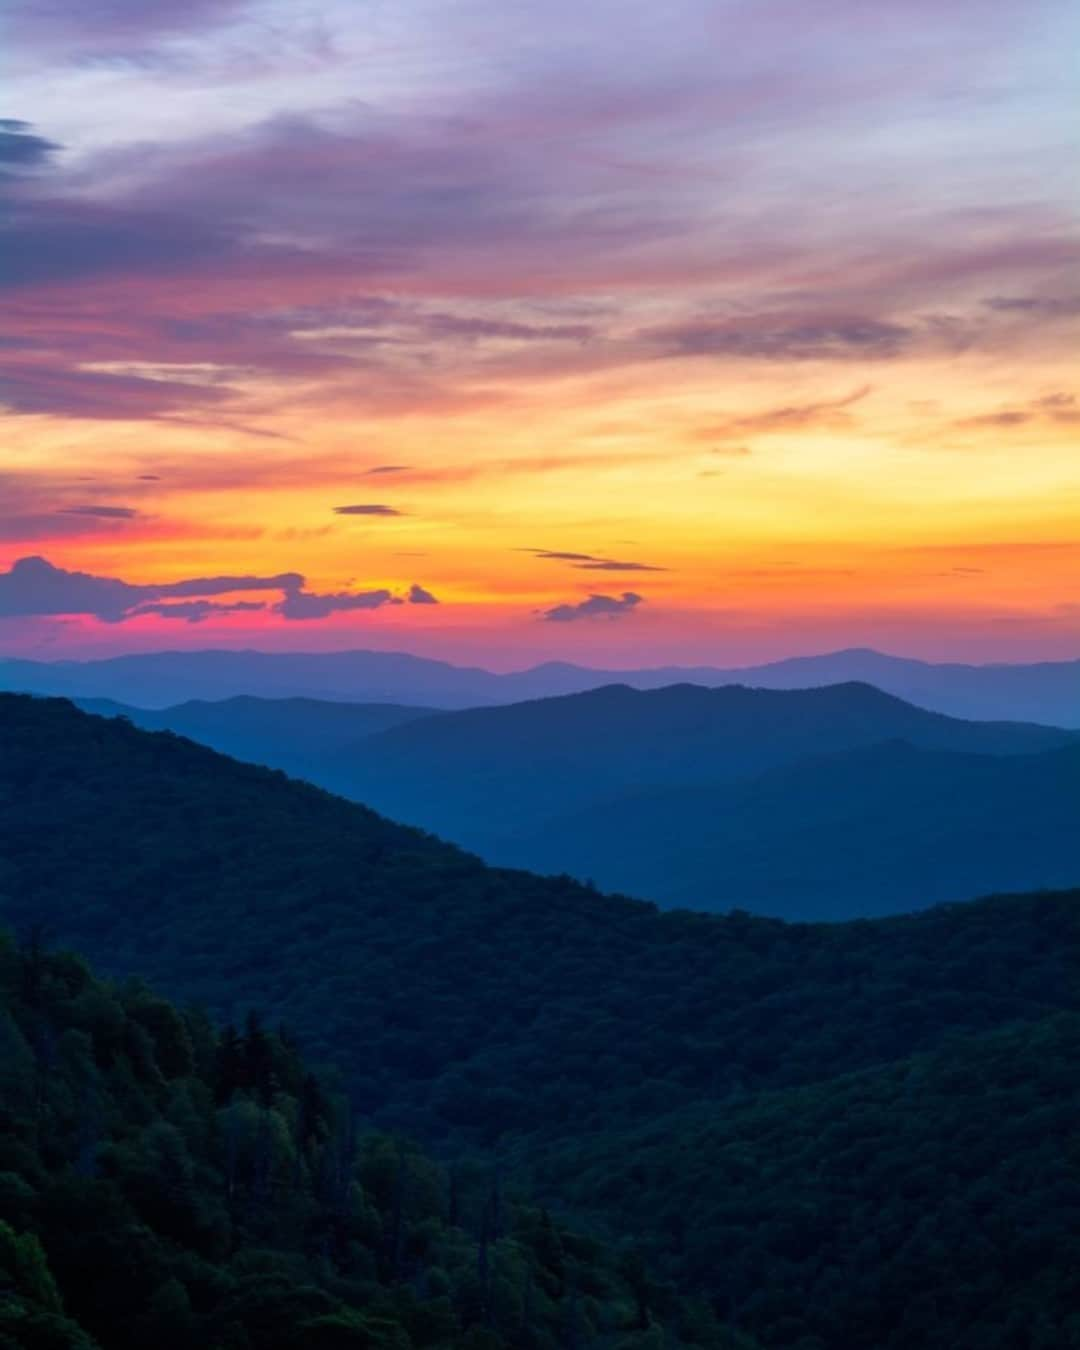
x: 194, y: 611
x: 786, y: 417
x: 588, y: 562
x: 102, y: 512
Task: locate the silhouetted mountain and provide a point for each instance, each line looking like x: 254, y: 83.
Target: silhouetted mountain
x: 295, y: 734
x: 480, y: 776
x: 479, y: 1007
x: 1047, y: 692
x: 647, y: 792
x: 873, y: 831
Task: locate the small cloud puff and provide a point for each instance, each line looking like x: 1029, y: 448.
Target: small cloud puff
x: 595, y: 607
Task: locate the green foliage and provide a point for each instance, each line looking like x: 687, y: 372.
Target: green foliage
x: 932, y: 1203
x: 31, y: 1314
x: 162, y: 1186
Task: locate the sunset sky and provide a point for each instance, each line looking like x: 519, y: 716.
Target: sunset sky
x: 703, y: 330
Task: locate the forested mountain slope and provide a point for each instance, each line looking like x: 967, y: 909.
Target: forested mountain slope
x: 464, y: 1001
x: 753, y: 1073
x: 166, y: 1185
x: 934, y: 1202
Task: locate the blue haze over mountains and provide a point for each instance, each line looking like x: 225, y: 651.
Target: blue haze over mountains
x: 1047, y: 692
x: 828, y: 801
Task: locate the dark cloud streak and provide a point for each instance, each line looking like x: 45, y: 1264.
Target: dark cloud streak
x: 102, y: 512
x: 588, y: 562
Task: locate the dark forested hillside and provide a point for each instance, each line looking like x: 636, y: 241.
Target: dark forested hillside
x: 607, y: 1047
x: 874, y: 831
x: 165, y: 1185
x: 464, y: 1001
x: 933, y: 1203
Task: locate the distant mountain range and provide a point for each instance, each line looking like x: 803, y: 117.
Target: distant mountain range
x: 476, y: 776
x: 1048, y: 692
x: 834, y: 802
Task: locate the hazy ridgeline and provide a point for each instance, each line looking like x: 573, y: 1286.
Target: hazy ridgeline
x: 837, y: 802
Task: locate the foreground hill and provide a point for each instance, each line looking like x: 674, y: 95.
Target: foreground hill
x: 1047, y: 692
x: 873, y: 831
x: 164, y: 1184
x: 933, y: 1203
x: 617, y: 1052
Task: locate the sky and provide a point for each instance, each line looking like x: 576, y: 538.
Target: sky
x: 710, y: 330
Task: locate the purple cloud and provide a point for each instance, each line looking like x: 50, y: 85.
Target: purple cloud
x: 110, y: 27
x: 20, y: 148
x: 33, y: 586
x: 30, y: 388
x: 595, y: 607
x: 768, y: 339
x: 303, y: 605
